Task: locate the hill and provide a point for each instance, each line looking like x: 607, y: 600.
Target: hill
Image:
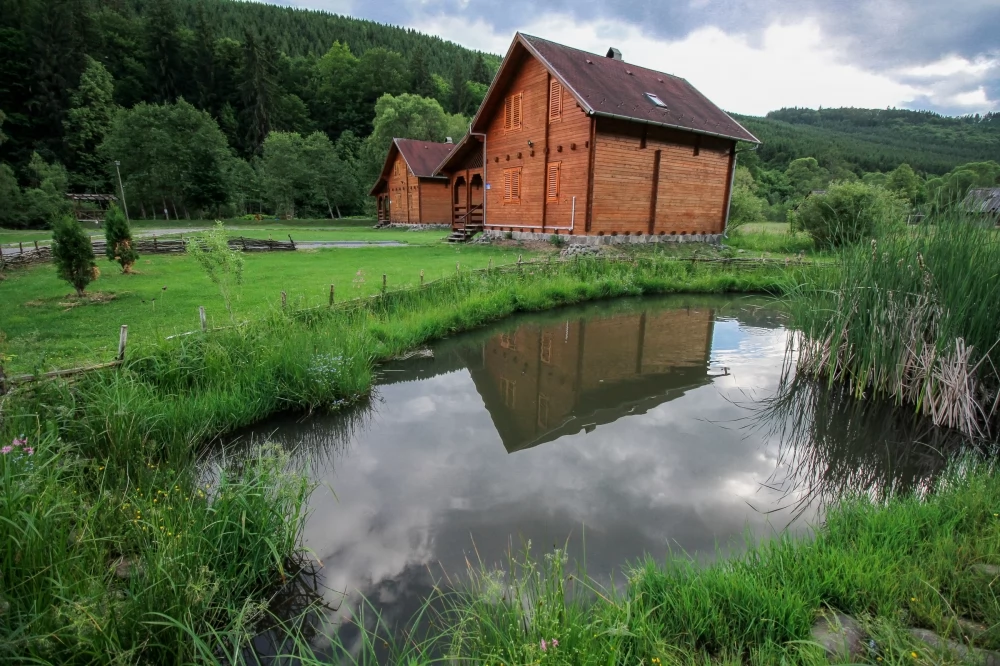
x: 865, y: 140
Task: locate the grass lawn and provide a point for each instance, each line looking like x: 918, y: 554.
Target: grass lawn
x: 44, y: 327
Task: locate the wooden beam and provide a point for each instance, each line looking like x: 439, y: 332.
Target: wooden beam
x: 655, y: 190
x: 545, y: 150
x: 590, y: 173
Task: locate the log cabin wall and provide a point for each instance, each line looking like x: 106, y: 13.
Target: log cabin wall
x: 404, y: 194
x: 510, y: 150
x: 435, y: 202
x: 687, y: 196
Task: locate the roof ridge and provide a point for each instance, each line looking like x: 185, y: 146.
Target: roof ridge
x: 598, y: 55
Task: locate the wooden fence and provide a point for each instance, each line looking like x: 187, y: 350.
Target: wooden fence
x: 40, y: 254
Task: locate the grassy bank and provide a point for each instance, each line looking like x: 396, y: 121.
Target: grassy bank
x: 117, y: 551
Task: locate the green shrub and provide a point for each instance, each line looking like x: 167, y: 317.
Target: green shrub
x: 557, y: 240
x: 73, y: 254
x: 119, y: 239
x: 847, y: 213
x: 745, y: 207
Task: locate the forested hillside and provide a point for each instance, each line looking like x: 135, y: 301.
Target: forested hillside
x: 864, y: 140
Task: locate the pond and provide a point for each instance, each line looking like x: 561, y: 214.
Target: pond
x: 621, y: 430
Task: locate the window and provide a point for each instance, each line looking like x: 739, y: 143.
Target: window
x: 552, y: 181
x: 507, y: 342
x: 543, y: 410
x: 512, y: 113
x: 654, y: 98
x: 512, y: 185
x: 555, y: 100
x: 507, y: 387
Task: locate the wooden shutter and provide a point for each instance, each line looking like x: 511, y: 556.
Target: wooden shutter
x: 555, y: 100
x: 515, y: 115
x: 515, y: 185
x: 508, y: 109
x: 552, y: 181
x: 506, y: 184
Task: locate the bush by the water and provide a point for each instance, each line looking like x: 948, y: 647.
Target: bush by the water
x: 848, y: 213
x: 73, y: 254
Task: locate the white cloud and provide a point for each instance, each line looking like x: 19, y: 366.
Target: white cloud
x: 793, y: 64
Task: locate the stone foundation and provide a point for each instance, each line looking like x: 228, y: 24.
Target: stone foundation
x: 606, y: 240
x: 416, y: 227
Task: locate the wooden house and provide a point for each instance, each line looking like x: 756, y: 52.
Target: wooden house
x: 569, y: 142
x: 983, y: 203
x: 408, y: 191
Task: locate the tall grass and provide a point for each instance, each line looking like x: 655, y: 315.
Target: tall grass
x: 113, y: 548
x: 913, y: 317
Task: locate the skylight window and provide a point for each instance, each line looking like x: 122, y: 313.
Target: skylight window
x: 656, y: 100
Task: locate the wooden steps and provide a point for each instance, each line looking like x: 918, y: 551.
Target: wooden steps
x: 463, y: 234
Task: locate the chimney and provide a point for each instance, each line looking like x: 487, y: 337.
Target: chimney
x: 447, y: 139
x: 614, y: 53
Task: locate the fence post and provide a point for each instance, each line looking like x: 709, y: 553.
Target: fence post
x: 383, y: 283
x: 244, y: 241
x: 518, y: 263
x: 489, y: 266
x: 154, y: 243
x: 201, y: 317
x: 36, y: 246
x: 122, y: 340
x: 457, y: 267
x: 291, y: 241
x: 421, y: 277
x: 331, y: 295
x: 21, y: 247
x: 284, y: 300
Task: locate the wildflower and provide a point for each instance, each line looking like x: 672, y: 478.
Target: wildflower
x: 5, y: 450
x: 555, y: 643
x: 544, y: 645
x: 913, y: 598
x: 30, y: 450
x: 913, y: 654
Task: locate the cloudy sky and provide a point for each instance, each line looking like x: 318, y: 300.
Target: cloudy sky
x: 750, y: 56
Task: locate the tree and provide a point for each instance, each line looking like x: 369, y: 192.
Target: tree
x: 222, y: 265
x: 73, y: 254
x: 164, y: 51
x: 745, y: 207
x: 335, y: 90
x: 11, y: 202
x: 87, y: 121
x: 170, y: 153
x: 459, y: 91
x: 905, y: 182
x: 421, y: 82
x: 480, y: 72
x: 45, y: 198
x: 330, y: 179
x: 259, y: 89
x: 848, y: 213
x: 118, y: 239
x: 284, y: 174
x: 805, y: 175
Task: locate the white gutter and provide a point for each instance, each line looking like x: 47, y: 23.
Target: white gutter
x: 732, y: 182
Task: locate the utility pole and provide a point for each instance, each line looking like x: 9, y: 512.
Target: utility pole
x: 122, y: 188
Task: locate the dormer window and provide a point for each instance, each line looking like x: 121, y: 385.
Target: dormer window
x: 654, y: 98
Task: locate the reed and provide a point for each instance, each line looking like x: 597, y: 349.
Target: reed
x: 912, y: 317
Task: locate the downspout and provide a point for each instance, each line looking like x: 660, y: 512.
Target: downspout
x: 732, y: 182
x: 486, y: 181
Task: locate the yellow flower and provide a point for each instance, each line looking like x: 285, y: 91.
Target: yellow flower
x: 913, y: 598
x: 913, y: 654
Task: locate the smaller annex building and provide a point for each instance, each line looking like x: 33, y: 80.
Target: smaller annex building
x: 572, y: 143
x: 408, y: 191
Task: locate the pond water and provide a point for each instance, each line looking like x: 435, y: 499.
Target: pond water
x: 623, y: 430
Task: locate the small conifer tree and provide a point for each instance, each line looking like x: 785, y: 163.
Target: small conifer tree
x: 73, y: 254
x: 119, y: 246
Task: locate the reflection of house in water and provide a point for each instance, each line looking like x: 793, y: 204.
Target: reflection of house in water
x: 540, y: 383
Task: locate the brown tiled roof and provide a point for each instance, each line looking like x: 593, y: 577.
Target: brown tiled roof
x: 423, y: 156
x: 608, y: 87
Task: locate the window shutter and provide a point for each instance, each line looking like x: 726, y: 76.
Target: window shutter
x: 508, y: 107
x: 506, y: 184
x: 515, y: 185
x: 555, y: 100
x: 516, y: 112
x: 552, y: 181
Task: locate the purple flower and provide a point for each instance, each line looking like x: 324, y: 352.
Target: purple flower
x: 30, y: 450
x: 555, y: 643
x: 544, y: 645
x: 19, y: 442
x: 5, y: 450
